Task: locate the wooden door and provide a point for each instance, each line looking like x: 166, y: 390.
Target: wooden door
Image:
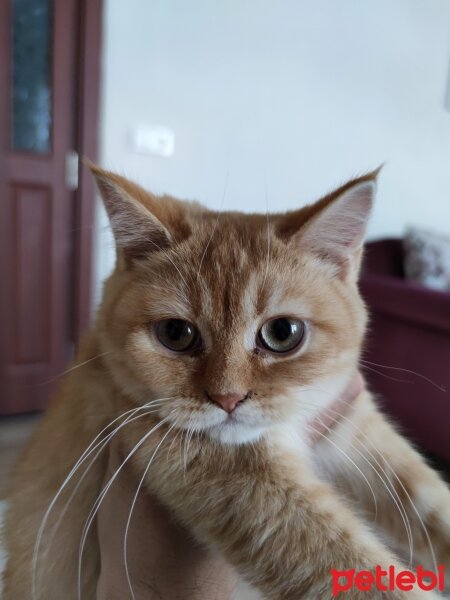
x: 40, y: 128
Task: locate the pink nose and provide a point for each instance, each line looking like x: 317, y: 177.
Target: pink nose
x: 228, y: 402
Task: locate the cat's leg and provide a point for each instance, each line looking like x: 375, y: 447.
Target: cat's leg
x: 272, y: 518
x: 413, y: 502
x: 52, y: 572
x: 73, y: 420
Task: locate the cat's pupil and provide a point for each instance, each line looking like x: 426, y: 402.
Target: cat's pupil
x: 282, y: 334
x: 177, y: 334
x: 282, y: 329
x: 177, y: 329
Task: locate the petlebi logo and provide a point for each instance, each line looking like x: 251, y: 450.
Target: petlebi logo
x: 387, y: 580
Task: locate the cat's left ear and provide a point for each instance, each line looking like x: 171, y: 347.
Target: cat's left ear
x: 336, y: 228
x: 141, y: 222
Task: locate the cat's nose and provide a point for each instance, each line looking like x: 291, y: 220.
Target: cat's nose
x: 228, y: 402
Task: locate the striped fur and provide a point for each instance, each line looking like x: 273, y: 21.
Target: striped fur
x: 279, y: 509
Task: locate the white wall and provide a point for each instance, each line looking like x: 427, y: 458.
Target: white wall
x: 309, y: 92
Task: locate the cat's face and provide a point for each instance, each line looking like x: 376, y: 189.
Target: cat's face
x: 239, y: 322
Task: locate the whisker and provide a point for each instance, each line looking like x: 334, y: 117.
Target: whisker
x: 387, y: 376
x: 91, y: 448
x: 416, y: 511
x: 175, y: 437
x: 339, y: 449
x: 392, y: 470
x: 183, y: 432
x: 399, y: 504
x: 74, y: 368
x: 191, y: 435
x: 125, y: 539
x: 103, y: 493
x: 187, y: 441
x: 417, y: 374
x: 103, y: 443
x: 185, y: 450
x: 268, y: 230
x: 215, y: 224
x: 170, y: 260
x: 55, y: 499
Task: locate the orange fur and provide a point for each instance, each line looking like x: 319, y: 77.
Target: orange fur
x: 281, y: 512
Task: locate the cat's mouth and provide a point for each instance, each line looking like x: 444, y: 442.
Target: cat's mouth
x: 231, y: 419
x: 226, y: 420
x: 243, y: 425
x: 236, y: 429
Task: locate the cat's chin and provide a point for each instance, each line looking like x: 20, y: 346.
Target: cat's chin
x: 236, y: 434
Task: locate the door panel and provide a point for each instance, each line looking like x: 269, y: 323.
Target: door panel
x: 31, y: 208
x: 31, y: 47
x: 37, y: 130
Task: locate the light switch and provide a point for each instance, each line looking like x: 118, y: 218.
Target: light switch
x: 154, y: 139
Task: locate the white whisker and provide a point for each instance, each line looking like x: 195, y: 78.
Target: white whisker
x: 125, y: 539
x: 103, y: 493
x: 399, y: 504
x: 417, y: 374
x: 183, y: 431
x: 350, y: 460
x: 187, y: 439
x: 103, y: 444
x: 175, y: 437
x: 171, y: 261
x: 387, y: 376
x: 416, y: 511
x: 215, y: 225
x: 383, y: 458
x: 86, y: 453
x: 268, y: 231
x: 74, y: 368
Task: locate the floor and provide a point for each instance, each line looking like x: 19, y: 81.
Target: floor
x: 14, y: 434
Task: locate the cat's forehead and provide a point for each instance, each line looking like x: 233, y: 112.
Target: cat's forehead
x: 247, y: 300
x: 233, y: 262
x: 230, y: 276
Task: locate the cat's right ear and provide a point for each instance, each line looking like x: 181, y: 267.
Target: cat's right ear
x: 137, y: 230
x: 334, y: 227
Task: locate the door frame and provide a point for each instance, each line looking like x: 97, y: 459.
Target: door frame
x: 89, y: 71
x: 81, y: 109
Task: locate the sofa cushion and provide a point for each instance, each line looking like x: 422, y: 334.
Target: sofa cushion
x: 427, y: 258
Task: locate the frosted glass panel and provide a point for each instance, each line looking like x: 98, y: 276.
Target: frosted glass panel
x: 32, y: 95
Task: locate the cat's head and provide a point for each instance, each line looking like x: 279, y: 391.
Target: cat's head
x: 237, y: 322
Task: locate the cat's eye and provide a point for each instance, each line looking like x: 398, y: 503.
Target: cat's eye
x: 282, y: 334
x: 177, y: 335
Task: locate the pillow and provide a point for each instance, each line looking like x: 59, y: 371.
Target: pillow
x: 427, y: 258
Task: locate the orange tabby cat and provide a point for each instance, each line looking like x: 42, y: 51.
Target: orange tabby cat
x: 233, y: 335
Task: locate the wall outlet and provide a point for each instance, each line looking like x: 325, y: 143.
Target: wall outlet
x: 154, y: 139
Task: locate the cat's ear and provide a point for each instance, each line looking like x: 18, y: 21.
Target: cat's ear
x: 136, y: 216
x: 335, y: 226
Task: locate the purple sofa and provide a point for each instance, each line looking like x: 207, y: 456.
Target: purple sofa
x: 409, y: 329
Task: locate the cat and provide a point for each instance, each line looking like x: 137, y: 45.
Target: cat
x: 241, y: 334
